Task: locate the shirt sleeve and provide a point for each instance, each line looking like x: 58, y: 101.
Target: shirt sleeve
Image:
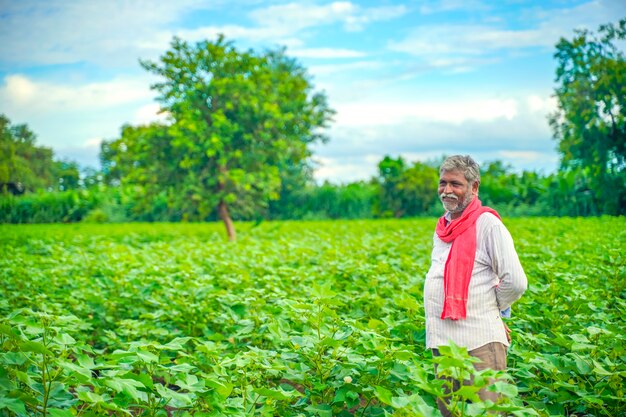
x: 507, y: 267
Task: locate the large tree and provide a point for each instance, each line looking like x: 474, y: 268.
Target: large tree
x: 236, y: 118
x: 590, y: 122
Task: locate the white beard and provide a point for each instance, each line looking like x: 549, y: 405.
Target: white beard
x: 456, y: 206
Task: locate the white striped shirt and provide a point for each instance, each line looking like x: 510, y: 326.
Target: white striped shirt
x: 498, y: 280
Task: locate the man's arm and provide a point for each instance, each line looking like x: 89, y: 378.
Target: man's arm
x: 506, y: 265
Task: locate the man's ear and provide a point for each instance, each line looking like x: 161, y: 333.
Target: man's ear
x: 475, y: 186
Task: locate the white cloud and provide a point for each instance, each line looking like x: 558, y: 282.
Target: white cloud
x: 358, y: 22
x: 69, y: 31
x: 85, y: 153
x: 74, y: 119
x: 92, y: 143
x: 514, y: 130
x: 114, y: 34
x: 526, y: 155
x: 325, y: 53
x: 543, y: 105
x: 21, y: 92
x: 447, y: 43
x: 297, y: 16
x: 348, y: 169
x: 395, y: 112
x: 345, y: 68
x: 18, y: 89
x: 281, y: 24
x: 451, y: 5
x: 233, y: 32
x: 149, y: 113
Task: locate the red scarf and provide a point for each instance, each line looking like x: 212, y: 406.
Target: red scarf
x: 458, y: 270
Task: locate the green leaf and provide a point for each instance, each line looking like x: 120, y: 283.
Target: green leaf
x: 468, y: 392
x: 85, y: 361
x: 582, y: 366
x: 127, y: 386
x: 376, y: 324
x: 322, y: 410
x: 173, y: 398
x: 404, y: 355
x: 178, y: 343
x: 90, y: 397
x: 383, y: 394
x: 582, y: 346
x: 64, y: 339
x: 223, y: 389
x: 56, y: 412
x: 580, y: 338
x: 593, y: 400
x: 34, y: 347
x: 13, y: 358
x: 504, y: 388
x: 5, y: 329
x: 408, y: 302
x: 599, y: 369
x: 277, y: 394
x: 143, y: 378
x: 71, y: 367
x: 323, y: 291
x: 12, y: 404
x: 147, y: 357
x: 191, y: 383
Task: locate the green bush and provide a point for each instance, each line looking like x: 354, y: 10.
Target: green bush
x: 53, y: 207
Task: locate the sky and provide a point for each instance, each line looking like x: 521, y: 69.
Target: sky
x: 416, y: 79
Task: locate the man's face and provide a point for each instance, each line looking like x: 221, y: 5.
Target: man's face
x: 455, y: 192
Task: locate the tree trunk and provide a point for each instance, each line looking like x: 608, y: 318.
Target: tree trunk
x: 222, y: 210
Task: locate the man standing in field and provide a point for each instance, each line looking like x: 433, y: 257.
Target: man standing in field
x: 475, y: 274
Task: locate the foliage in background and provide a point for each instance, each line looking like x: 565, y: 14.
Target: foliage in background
x: 406, y: 191
x: 61, y: 207
x: 26, y: 167
x: 566, y: 193
x: 327, y: 201
x: 590, y: 122
x: 240, y: 126
x: 294, y: 319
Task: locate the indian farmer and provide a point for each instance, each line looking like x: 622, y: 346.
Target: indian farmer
x: 475, y: 274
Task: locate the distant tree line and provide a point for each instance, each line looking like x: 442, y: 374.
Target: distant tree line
x: 236, y: 147
x: 26, y: 167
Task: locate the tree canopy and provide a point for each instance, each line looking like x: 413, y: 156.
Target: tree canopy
x: 406, y: 190
x: 236, y: 119
x: 590, y: 123
x: 26, y: 167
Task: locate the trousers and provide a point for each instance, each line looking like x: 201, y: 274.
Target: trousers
x: 492, y: 356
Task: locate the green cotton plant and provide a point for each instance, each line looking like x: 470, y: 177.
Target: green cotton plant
x: 462, y: 399
x: 151, y: 379
x: 325, y: 359
x: 344, y: 367
x: 37, y: 367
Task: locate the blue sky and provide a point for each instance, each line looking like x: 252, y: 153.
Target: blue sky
x: 416, y: 79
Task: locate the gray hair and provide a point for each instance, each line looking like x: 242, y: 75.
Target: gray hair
x: 464, y: 164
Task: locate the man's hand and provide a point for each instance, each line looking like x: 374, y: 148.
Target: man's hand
x: 507, y: 331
